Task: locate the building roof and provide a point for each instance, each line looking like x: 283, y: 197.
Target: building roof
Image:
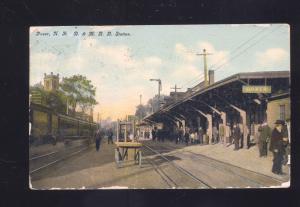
x: 236, y: 77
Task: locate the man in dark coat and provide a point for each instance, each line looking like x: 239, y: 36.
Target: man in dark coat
x: 110, y: 136
x: 153, y: 132
x: 277, y: 147
x: 98, y: 140
x: 187, y: 136
x: 236, y: 136
x: 263, y: 139
x: 200, y: 135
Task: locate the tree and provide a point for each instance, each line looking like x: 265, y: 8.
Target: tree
x: 79, y: 91
x: 141, y: 111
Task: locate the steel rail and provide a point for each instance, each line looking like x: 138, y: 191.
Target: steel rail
x: 162, y: 174
x: 184, y: 171
x: 229, y: 164
x: 44, y: 155
x: 56, y: 161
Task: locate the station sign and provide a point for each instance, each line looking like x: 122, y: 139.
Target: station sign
x: 256, y: 89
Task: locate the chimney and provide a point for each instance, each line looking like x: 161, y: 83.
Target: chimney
x: 211, y: 75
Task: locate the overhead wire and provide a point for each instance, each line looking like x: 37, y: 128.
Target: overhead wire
x: 237, y: 55
x: 235, y: 50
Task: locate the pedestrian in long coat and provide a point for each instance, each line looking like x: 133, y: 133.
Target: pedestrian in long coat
x: 215, y: 134
x: 110, y: 136
x: 153, y: 132
x: 98, y: 140
x: 227, y: 135
x: 187, y: 136
x: 200, y: 135
x: 263, y: 139
x: 236, y: 136
x: 222, y: 133
x: 277, y: 147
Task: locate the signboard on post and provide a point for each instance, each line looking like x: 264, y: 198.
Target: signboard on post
x: 256, y: 89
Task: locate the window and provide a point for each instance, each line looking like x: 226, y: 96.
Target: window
x: 282, y: 112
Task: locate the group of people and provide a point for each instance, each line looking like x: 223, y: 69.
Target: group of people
x: 279, y: 141
x: 189, y: 136
x: 198, y: 136
x: 158, y: 135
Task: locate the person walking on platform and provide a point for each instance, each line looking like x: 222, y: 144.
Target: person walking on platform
x: 276, y: 146
x: 110, y: 137
x: 200, y: 135
x: 222, y: 133
x: 215, y: 134
x: 236, y: 136
x: 153, y: 132
x: 263, y: 139
x: 227, y: 135
x: 186, y: 136
x: 98, y: 139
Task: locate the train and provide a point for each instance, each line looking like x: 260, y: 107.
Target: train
x: 48, y: 126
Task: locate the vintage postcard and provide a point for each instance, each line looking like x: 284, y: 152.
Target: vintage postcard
x: 159, y: 107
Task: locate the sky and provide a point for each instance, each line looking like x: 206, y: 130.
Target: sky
x: 120, y: 66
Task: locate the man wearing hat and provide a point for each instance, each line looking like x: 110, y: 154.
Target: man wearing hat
x: 277, y: 147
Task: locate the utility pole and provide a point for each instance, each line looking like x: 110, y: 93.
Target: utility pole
x: 205, y: 66
x: 159, y: 89
x: 175, y: 88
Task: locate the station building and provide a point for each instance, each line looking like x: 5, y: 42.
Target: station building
x: 246, y: 99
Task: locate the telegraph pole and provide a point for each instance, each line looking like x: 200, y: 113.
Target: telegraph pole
x: 175, y: 88
x: 205, y: 66
x: 159, y: 89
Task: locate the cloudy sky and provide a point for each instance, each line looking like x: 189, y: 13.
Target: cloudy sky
x: 120, y: 66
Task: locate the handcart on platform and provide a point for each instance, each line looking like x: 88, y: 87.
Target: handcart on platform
x: 125, y: 143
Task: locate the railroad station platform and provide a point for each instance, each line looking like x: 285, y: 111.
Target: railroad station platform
x: 244, y: 158
x: 91, y: 169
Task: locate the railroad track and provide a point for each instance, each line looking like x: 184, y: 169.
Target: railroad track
x: 254, y: 179
x: 49, y: 159
x: 167, y: 178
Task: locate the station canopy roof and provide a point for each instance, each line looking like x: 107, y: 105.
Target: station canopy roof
x: 228, y: 91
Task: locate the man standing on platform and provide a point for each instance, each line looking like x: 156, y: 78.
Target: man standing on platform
x: 215, y: 134
x: 200, y: 135
x: 227, y: 135
x: 263, y: 139
x: 153, y: 133
x: 236, y: 136
x: 187, y: 135
x: 110, y: 136
x: 222, y: 133
x: 98, y: 139
x: 277, y: 147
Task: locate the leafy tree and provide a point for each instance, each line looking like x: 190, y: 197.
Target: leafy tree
x: 79, y: 91
x: 141, y: 111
